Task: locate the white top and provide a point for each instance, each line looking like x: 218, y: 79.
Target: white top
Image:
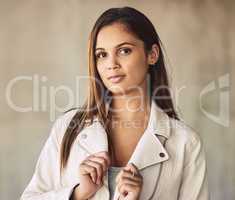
x: 112, y: 173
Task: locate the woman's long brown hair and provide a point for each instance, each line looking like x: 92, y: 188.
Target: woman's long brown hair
x: 141, y: 27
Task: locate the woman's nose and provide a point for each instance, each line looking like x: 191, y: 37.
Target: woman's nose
x: 112, y: 63
x: 114, y: 66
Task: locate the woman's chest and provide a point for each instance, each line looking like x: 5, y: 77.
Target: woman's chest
x: 161, y: 179
x: 124, y: 142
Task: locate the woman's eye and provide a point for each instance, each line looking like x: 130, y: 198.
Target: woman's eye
x: 125, y: 51
x: 100, y: 55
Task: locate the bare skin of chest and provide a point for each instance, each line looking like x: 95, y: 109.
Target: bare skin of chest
x: 124, y: 142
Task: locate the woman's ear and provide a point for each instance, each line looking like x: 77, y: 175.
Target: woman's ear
x: 153, y: 54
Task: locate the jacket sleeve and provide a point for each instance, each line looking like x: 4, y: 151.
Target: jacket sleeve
x: 194, y: 185
x: 45, y: 183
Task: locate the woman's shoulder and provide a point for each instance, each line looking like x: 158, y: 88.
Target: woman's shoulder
x: 180, y: 130
x: 67, y: 116
x: 187, y: 143
x: 62, y: 122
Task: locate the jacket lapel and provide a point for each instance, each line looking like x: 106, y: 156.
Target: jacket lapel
x: 150, y: 151
x: 93, y: 138
x: 147, y: 156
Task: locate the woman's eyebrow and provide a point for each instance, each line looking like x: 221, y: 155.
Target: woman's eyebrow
x: 123, y: 43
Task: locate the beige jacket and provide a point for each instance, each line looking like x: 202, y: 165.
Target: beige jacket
x: 176, y: 171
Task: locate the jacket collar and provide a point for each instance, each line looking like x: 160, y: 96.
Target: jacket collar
x: 149, y: 149
x: 158, y: 121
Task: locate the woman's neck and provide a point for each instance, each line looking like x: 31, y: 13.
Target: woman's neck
x: 130, y: 108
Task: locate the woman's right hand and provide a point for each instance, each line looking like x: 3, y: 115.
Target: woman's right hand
x: 91, y: 172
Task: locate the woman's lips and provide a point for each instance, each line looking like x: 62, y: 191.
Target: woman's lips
x: 116, y: 79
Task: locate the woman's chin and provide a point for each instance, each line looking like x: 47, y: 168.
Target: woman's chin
x: 117, y: 92
x: 120, y: 91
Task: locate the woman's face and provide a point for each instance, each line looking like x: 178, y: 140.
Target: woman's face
x: 119, y: 53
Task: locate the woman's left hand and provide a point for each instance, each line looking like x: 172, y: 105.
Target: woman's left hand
x: 129, y: 183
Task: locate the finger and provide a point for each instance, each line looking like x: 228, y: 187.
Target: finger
x: 127, y: 174
x: 87, y: 169
x: 121, y: 173
x: 129, y: 181
x: 105, y: 155
x: 100, y: 160
x: 132, y: 167
x: 99, y: 170
x: 134, y: 179
x: 126, y: 188
x: 122, y: 196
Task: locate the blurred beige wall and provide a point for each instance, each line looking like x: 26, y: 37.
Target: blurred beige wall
x: 43, y: 43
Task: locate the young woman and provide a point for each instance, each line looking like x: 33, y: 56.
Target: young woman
x: 127, y: 141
